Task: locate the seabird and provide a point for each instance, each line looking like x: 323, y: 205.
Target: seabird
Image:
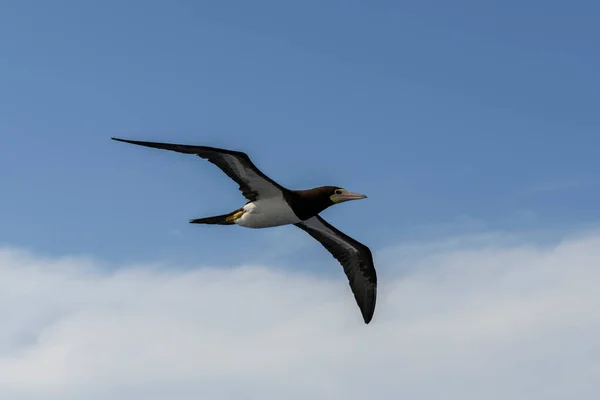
x: 270, y: 204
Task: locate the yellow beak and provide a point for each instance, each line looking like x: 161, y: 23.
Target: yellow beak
x: 346, y: 196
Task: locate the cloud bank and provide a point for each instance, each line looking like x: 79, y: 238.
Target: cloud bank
x: 509, y: 321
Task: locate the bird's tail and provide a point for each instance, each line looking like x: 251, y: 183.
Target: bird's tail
x: 225, y: 219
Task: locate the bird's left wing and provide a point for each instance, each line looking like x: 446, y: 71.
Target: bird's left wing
x: 237, y: 165
x: 355, y: 257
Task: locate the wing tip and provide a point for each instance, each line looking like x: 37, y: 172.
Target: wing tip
x: 123, y: 140
x: 368, y: 315
x: 367, y: 308
x: 180, y: 148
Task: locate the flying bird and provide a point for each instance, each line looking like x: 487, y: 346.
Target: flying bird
x: 270, y: 204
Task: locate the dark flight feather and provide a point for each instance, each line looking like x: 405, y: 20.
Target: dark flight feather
x: 355, y: 258
x: 252, y: 182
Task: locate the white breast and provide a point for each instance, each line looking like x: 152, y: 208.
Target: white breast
x: 265, y: 213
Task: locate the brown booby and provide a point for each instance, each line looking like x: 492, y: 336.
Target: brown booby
x: 270, y: 204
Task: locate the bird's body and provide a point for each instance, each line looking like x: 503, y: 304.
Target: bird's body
x: 267, y: 213
x: 270, y: 204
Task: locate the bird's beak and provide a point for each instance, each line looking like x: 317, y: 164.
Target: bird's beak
x: 346, y: 196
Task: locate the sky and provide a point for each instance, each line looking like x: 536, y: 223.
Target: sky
x: 472, y: 126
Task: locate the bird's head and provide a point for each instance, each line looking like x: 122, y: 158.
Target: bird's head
x: 340, y: 195
x: 312, y: 201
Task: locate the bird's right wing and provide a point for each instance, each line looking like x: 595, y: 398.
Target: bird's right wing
x: 355, y: 257
x: 237, y: 165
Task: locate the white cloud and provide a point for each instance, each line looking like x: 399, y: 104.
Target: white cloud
x: 453, y: 321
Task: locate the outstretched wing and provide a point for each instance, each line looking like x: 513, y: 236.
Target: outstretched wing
x: 355, y: 257
x: 237, y: 165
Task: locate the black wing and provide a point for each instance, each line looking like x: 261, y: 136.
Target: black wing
x: 355, y: 257
x: 237, y: 165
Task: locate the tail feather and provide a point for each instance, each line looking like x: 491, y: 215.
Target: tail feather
x: 224, y: 219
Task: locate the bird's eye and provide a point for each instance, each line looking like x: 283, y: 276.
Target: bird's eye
x: 338, y: 191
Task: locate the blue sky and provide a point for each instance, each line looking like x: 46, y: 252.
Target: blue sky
x: 472, y: 126
x: 452, y: 118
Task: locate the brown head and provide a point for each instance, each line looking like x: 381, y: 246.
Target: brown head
x: 308, y: 203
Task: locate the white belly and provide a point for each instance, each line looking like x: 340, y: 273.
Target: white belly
x: 265, y: 213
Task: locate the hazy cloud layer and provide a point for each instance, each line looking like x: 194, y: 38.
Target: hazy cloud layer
x: 453, y: 322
